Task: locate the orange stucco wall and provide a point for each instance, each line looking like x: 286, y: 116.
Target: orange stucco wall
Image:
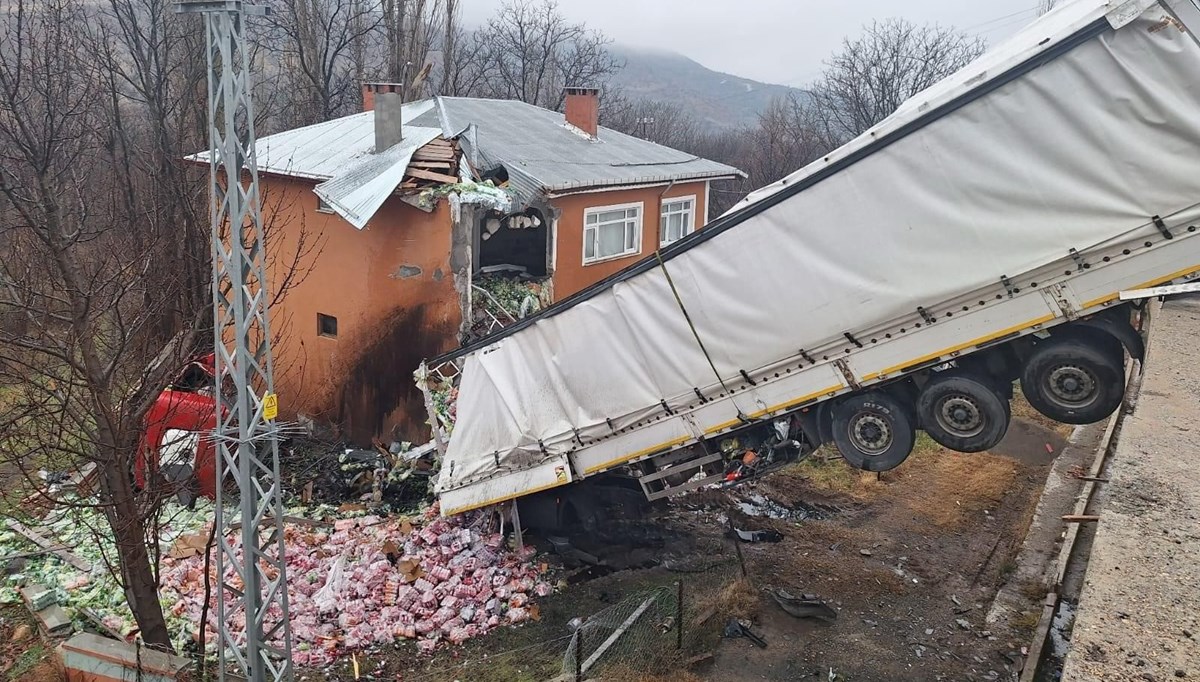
x: 392, y: 291
x: 570, y: 274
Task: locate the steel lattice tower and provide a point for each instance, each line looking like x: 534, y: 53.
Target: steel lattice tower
x: 246, y: 437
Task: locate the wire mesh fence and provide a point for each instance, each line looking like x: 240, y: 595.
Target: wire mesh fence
x: 645, y: 627
x: 664, y: 617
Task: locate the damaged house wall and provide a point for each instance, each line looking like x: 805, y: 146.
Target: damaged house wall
x: 392, y: 289
x: 462, y: 240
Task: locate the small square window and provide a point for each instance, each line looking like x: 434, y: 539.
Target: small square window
x: 326, y: 325
x: 323, y: 206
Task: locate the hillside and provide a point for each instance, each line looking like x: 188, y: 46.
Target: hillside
x: 718, y: 98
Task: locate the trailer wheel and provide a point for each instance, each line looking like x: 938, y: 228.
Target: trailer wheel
x: 873, y: 431
x: 1073, y: 381
x: 963, y: 412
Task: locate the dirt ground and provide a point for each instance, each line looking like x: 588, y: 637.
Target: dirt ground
x: 24, y: 657
x: 911, y: 566
x: 911, y: 560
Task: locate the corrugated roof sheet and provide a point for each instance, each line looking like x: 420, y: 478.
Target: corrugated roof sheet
x: 549, y: 155
x: 323, y: 150
x: 358, y: 192
x: 559, y: 157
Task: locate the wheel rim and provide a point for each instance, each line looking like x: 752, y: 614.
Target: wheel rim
x: 960, y: 415
x: 1071, y: 386
x: 870, y: 433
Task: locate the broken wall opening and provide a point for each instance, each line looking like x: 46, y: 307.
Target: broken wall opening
x: 515, y: 244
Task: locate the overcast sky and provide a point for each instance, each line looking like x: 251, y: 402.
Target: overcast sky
x: 777, y: 41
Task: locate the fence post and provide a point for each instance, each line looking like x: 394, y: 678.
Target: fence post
x: 679, y: 615
x: 579, y: 653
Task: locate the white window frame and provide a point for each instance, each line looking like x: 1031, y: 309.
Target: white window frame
x: 323, y: 206
x: 688, y: 227
x: 637, y: 228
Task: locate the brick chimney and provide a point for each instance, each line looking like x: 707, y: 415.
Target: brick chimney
x: 386, y: 100
x: 583, y: 109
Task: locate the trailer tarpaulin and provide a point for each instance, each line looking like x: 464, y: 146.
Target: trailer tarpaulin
x: 1072, y: 134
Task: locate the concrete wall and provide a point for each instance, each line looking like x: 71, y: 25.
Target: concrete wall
x: 392, y: 290
x: 570, y: 274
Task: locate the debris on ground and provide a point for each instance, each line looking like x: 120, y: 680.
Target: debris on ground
x: 356, y: 580
x: 758, y: 535
x: 370, y: 581
x: 736, y: 628
x: 803, y: 606
x: 80, y: 525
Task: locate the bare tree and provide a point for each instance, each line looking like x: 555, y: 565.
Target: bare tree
x: 105, y: 283
x: 529, y: 51
x: 872, y: 75
x: 84, y: 273
x: 317, y: 42
x: 451, y: 41
x: 787, y: 137
x: 663, y: 122
x: 411, y: 28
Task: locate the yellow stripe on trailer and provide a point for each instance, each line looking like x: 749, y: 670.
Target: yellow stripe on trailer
x: 954, y: 349
x: 644, y: 451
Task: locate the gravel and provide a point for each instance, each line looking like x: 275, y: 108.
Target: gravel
x: 1140, y: 599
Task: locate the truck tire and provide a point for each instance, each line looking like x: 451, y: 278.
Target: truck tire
x: 873, y: 431
x: 1073, y: 381
x: 963, y: 412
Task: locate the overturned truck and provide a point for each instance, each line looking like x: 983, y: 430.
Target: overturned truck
x: 976, y: 238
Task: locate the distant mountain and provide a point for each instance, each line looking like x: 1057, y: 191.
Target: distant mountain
x: 720, y: 99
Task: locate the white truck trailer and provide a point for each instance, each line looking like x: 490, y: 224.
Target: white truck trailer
x: 977, y: 237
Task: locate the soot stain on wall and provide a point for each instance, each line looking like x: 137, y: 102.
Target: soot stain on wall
x: 381, y: 381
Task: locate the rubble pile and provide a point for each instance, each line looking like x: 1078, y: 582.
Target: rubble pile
x: 511, y: 298
x: 369, y: 581
x: 94, y: 594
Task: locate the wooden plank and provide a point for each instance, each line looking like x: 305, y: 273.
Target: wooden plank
x: 430, y: 164
x: 1080, y: 518
x: 612, y: 639
x: 45, y: 544
x: 430, y: 175
x: 26, y: 555
x: 424, y: 153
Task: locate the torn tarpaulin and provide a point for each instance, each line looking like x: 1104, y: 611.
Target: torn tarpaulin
x: 452, y: 580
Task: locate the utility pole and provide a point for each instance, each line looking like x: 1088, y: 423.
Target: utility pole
x: 252, y: 568
x: 645, y: 122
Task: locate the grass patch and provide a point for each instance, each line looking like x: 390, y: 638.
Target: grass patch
x: 826, y: 471
x: 1027, y: 621
x: 28, y: 661
x: 956, y: 489
x: 737, y: 599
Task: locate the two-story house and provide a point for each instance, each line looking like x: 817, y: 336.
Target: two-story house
x: 379, y: 224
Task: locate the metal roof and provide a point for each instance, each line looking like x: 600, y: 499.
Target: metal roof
x: 324, y: 150
x: 535, y: 144
x: 559, y: 157
x: 357, y: 193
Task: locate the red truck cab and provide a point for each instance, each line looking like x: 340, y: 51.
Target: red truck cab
x: 177, y: 445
